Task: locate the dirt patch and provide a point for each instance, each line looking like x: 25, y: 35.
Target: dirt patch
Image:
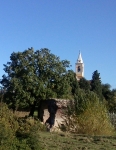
x: 21, y: 113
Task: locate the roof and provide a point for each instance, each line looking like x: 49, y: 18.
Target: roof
x: 79, y: 60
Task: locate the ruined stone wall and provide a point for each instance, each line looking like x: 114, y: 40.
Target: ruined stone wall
x: 62, y: 105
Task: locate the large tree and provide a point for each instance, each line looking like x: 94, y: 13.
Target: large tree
x: 34, y: 76
x: 96, y: 85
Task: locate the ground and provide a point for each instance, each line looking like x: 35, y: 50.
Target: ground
x: 65, y: 141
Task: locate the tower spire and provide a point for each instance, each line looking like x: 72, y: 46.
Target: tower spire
x: 79, y: 67
x: 79, y: 60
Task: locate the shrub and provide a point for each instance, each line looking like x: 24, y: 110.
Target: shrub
x: 113, y: 119
x: 29, y: 133
x: 18, y: 133
x: 7, y: 116
x: 95, y: 120
x: 88, y: 115
x: 26, y: 124
x: 7, y: 138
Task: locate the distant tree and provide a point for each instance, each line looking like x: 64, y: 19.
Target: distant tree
x: 96, y: 85
x: 84, y: 84
x: 34, y: 76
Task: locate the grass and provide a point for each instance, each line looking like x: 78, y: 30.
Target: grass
x: 63, y: 141
x: 35, y: 113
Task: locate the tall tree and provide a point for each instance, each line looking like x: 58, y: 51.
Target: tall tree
x: 96, y: 85
x: 34, y: 76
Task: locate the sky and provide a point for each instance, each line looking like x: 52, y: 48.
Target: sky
x: 65, y: 27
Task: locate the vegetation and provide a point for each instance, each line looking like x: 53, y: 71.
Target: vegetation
x: 96, y: 85
x: 84, y: 84
x: 67, y: 141
x: 32, y: 76
x: 88, y: 115
x: 18, y: 133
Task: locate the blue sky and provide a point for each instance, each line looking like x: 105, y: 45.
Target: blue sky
x: 64, y: 27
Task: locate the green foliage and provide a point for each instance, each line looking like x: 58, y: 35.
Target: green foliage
x: 18, y: 133
x: 32, y: 76
x: 8, y: 117
x: 106, y: 92
x: 7, y: 138
x: 79, y: 104
x: 33, y: 139
x: 26, y: 124
x: 110, y: 97
x: 28, y: 132
x: 95, y: 120
x: 88, y: 115
x: 112, y: 102
x: 8, y: 128
x: 96, y: 84
x: 71, y: 78
x: 84, y: 84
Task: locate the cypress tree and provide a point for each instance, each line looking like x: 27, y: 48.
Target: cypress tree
x: 96, y: 85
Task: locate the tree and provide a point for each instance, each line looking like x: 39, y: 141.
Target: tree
x: 96, y: 84
x: 84, y: 84
x: 73, y: 83
x: 106, y: 92
x: 34, y: 76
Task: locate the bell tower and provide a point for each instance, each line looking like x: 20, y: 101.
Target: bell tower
x: 79, y: 67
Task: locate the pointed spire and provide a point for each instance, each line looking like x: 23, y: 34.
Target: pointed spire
x: 79, y: 60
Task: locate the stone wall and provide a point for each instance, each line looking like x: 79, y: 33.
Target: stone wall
x: 61, y: 104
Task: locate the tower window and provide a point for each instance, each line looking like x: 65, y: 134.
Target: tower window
x: 78, y: 69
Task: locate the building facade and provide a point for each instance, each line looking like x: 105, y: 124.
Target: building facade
x: 79, y: 67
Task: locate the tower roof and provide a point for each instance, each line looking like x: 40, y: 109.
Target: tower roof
x: 79, y: 60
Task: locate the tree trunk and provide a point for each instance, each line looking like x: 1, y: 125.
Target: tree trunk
x: 32, y: 109
x: 40, y: 111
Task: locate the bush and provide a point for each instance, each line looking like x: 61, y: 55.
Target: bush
x: 18, y: 133
x: 8, y: 127
x: 95, y: 120
x: 88, y: 115
x: 7, y: 116
x: 113, y: 119
x: 7, y: 138
x: 26, y: 124
x: 29, y: 132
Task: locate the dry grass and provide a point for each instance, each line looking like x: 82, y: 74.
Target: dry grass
x: 93, y: 121
x: 63, y: 141
x: 21, y: 113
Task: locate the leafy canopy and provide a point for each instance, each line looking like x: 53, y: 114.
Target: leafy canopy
x: 32, y: 76
x: 96, y: 85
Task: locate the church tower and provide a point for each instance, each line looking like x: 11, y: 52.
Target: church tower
x: 79, y: 67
